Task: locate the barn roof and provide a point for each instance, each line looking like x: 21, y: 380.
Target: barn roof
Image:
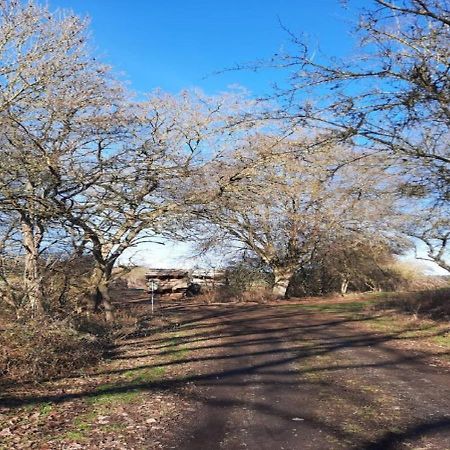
x: 166, y: 273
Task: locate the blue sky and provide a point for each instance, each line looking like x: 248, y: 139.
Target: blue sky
x: 177, y: 44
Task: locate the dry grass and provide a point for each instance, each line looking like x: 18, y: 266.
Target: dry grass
x: 35, y: 351
x: 226, y: 295
x: 431, y: 303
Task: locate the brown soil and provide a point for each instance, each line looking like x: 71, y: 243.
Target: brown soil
x: 234, y: 376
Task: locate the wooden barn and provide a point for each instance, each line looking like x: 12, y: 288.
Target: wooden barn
x: 171, y: 283
x: 209, y: 279
x: 176, y: 283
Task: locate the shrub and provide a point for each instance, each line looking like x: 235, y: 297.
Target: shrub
x: 31, y: 352
x: 432, y: 303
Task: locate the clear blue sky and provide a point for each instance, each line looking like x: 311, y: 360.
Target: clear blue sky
x: 176, y: 44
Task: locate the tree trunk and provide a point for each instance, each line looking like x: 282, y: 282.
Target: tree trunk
x: 282, y: 278
x: 105, y: 299
x: 100, y: 292
x: 34, y: 291
x: 344, y: 286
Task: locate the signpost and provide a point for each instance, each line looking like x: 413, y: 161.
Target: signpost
x: 153, y: 288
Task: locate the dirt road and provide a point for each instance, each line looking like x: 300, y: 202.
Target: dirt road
x: 279, y: 376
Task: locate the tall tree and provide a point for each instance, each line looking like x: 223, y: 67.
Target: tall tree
x: 57, y: 106
x: 287, y: 202
x: 78, y: 156
x: 145, y: 183
x: 391, y: 95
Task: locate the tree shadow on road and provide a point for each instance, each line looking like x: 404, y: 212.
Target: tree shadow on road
x: 296, y: 355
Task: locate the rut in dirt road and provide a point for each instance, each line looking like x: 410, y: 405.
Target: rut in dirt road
x: 280, y: 378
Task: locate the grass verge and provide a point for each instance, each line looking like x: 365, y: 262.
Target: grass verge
x: 376, y: 311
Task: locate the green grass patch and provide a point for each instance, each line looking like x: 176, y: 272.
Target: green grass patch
x: 354, y: 428
x: 106, y: 395
x: 176, y: 350
x: 127, y: 391
x: 113, y: 427
x: 45, y: 409
x: 178, y: 353
x: 386, y: 324
x: 404, y: 327
x: 411, y: 329
x: 102, y: 404
x: 83, y: 424
x: 377, y: 295
x: 443, y: 340
x: 139, y: 376
x: 74, y: 436
x: 383, y: 317
x: 343, y: 307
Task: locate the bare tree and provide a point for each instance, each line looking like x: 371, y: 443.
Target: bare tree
x: 286, y: 202
x: 390, y: 96
x: 347, y: 262
x: 9, y: 267
x: 431, y: 226
x: 145, y: 183
x: 79, y: 158
x: 394, y: 93
x: 60, y: 112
